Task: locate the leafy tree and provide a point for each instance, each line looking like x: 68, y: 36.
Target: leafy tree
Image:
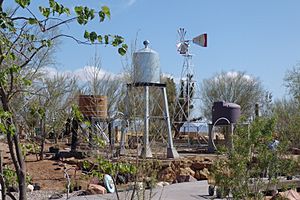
x: 234, y: 87
x: 287, y: 109
x: 52, y: 105
x: 20, y: 46
x: 292, y: 81
x: 288, y: 116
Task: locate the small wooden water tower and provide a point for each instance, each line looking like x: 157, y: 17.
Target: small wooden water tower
x: 94, y: 109
x: 93, y: 106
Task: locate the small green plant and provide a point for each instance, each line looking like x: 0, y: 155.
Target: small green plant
x: 10, y: 176
x: 104, y: 166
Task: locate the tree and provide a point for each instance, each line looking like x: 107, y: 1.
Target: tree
x: 287, y: 110
x: 234, y: 87
x: 99, y: 83
x: 20, y: 46
x: 183, y: 107
x: 53, y: 105
x: 292, y: 81
x: 288, y: 116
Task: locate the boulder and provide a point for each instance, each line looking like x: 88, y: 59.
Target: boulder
x: 289, y: 194
x: 95, y: 189
x: 36, y: 186
x: 95, y: 181
x: 185, y: 163
x: 184, y: 174
x: 167, y: 175
x: 190, y: 179
x: 200, y: 165
x: 180, y: 178
x: 202, y: 174
x: 185, y: 171
x: 30, y: 188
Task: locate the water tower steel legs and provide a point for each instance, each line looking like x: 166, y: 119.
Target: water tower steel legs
x: 146, y: 151
x: 124, y: 124
x: 171, y: 151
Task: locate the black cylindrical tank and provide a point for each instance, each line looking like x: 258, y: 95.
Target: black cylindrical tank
x: 230, y: 111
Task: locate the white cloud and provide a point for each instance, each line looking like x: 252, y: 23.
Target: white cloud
x: 235, y: 74
x: 83, y: 74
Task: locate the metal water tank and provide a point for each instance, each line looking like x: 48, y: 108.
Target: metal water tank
x: 146, y: 65
x: 230, y: 111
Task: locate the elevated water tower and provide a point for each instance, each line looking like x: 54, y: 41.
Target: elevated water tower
x: 146, y: 78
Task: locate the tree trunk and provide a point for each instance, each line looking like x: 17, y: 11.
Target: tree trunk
x: 14, y: 148
x: 74, y: 131
x: 43, y: 138
x: 21, y: 172
x: 2, y: 181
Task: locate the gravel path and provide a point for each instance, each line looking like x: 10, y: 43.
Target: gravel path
x: 35, y: 195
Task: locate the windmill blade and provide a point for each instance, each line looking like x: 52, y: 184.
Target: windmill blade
x: 201, y: 40
x: 183, y: 45
x: 182, y: 34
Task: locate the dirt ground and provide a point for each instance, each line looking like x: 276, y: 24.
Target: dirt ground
x: 49, y: 174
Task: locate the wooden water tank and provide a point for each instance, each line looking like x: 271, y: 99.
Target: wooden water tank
x: 93, y: 106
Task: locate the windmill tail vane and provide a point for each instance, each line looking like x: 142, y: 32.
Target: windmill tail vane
x: 183, y: 45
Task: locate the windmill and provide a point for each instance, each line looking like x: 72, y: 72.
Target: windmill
x: 188, y: 90
x: 183, y: 44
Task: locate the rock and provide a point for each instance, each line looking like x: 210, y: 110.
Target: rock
x: 95, y: 181
x: 167, y: 175
x: 36, y: 186
x: 120, y: 179
x: 185, y: 163
x: 56, y: 196
x: 200, y: 165
x: 95, y: 189
x: 30, y: 188
x: 202, y: 174
x: 290, y: 194
x: 207, y: 159
x: 181, y: 178
x: 184, y: 174
x: 13, y: 189
x: 197, y: 166
x: 162, y: 184
x: 186, y: 171
x: 190, y: 179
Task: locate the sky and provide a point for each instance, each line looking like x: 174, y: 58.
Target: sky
x: 261, y: 38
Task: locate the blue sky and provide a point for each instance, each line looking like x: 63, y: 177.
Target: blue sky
x: 259, y: 37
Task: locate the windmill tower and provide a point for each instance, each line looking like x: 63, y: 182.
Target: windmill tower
x: 188, y: 87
